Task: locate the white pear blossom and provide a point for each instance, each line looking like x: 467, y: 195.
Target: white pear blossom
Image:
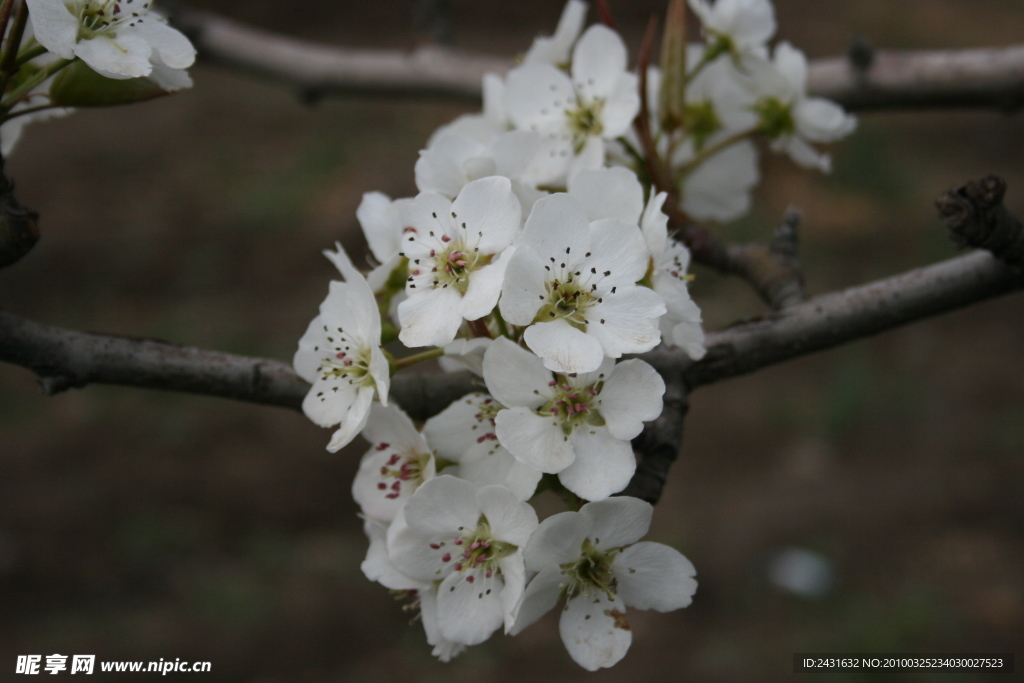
x: 340, y: 356
x: 456, y: 264
x: 465, y: 354
x: 117, y: 38
x: 574, y: 113
x: 592, y: 558
x: 470, y: 540
x: 380, y: 217
x: 399, y: 460
x: 790, y: 118
x: 739, y: 28
x: 463, y: 433
x: 485, y: 126
x: 555, y: 50
x: 574, y: 284
x: 576, y: 425
x: 720, y: 187
x: 616, y: 193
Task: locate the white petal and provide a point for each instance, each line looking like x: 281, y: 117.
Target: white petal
x: 654, y: 576
x: 328, y: 400
x: 555, y: 50
x: 384, y: 503
x: 430, y: 317
x: 654, y: 224
x: 444, y: 649
x: 819, y: 120
x: 377, y: 566
x: 608, y: 193
x: 531, y: 94
x: 168, y: 79
x: 594, y: 630
x: 428, y: 212
x: 597, y: 61
x: 465, y: 354
x: 603, y: 466
x: 621, y: 107
x: 535, y: 441
x: 309, y: 355
x: 456, y: 429
x: 379, y: 218
x: 564, y: 348
x: 54, y: 26
x: 514, y: 575
x: 805, y: 155
x: 630, y: 321
x: 442, y: 505
x: 490, y: 463
x: 485, y: 287
x: 557, y: 541
x: 511, y: 520
x: 392, y: 426
x: 126, y: 56
x: 468, y: 612
x: 441, y: 167
x: 173, y: 48
x: 540, y: 597
x: 631, y: 396
x: 619, y: 521
x: 380, y: 371
x: 719, y: 189
x: 513, y: 151
x: 354, y: 420
x: 515, y: 376
x: 619, y: 248
x: 523, y: 290
x: 556, y: 224
x: 792, y: 63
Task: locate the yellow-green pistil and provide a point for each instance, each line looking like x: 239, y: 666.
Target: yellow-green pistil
x: 452, y: 264
x: 593, y: 568
x: 585, y: 123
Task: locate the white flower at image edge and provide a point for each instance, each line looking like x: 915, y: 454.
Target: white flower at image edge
x: 470, y: 540
x: 456, y: 264
x: 592, y: 558
x: 340, y: 356
x: 117, y: 38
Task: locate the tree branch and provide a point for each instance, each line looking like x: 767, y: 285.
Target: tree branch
x: 893, y: 79
x: 66, y: 358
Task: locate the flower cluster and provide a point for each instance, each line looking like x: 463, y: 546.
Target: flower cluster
x: 537, y: 255
x: 89, y: 53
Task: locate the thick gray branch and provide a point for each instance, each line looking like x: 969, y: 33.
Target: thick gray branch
x: 893, y: 79
x: 832, y: 319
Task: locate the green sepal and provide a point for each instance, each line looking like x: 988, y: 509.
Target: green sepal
x: 80, y: 86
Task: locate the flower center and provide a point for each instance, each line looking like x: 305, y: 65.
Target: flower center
x: 593, y: 569
x: 776, y: 117
x: 403, y: 469
x: 567, y: 300
x: 585, y: 123
x: 342, y: 361
x: 574, y: 406
x: 702, y: 122
x: 474, y: 550
x: 103, y: 16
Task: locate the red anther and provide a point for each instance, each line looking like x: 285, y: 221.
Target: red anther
x: 435, y: 546
x: 573, y: 396
x: 559, y: 402
x: 458, y: 541
x: 384, y: 471
x: 382, y: 486
x: 476, y: 544
x: 458, y: 566
x: 432, y: 252
x: 392, y: 495
x: 383, y: 447
x: 554, y: 411
x: 393, y: 459
x: 446, y: 238
x: 414, y: 272
x: 487, y: 400
x: 446, y: 557
x: 489, y: 574
x: 347, y: 362
x: 471, y: 578
x: 340, y: 354
x: 592, y: 390
x: 552, y: 383
x: 466, y: 554
x: 455, y: 256
x: 675, y: 273
x: 397, y: 486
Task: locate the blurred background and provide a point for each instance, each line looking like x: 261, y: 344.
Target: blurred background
x: 865, y: 499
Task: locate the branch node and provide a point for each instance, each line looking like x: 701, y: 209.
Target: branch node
x: 976, y: 217
x: 19, y: 227
x: 51, y: 385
